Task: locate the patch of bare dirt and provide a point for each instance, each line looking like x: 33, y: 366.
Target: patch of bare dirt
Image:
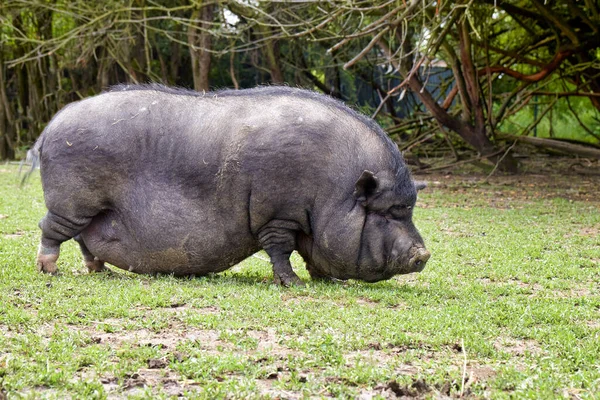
x: 595, y: 324
x: 267, y: 389
x: 481, y: 372
x: 419, y: 389
x: 270, y: 343
x: 540, y: 178
x: 380, y: 357
x: 376, y: 355
x: 411, y: 280
x: 209, y: 340
x: 380, y: 392
x: 538, y: 290
x: 572, y: 293
x: 517, y: 347
x: 136, y: 383
x: 6, y: 332
x: 363, y: 301
x: 158, y: 374
x: 533, y: 287
x: 591, y: 231
x: 37, y: 392
x: 295, y: 300
x: 182, y: 308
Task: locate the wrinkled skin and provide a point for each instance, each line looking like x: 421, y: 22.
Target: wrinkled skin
x: 159, y: 180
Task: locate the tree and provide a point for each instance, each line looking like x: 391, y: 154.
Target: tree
x: 424, y: 68
x: 497, y: 55
x: 200, y: 43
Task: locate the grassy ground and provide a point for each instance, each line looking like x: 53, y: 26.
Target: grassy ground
x: 508, y: 307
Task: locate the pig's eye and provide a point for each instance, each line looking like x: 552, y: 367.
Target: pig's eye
x: 400, y: 211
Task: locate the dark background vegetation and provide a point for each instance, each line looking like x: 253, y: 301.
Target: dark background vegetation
x: 470, y: 79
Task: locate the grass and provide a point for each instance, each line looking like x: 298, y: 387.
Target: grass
x: 508, y: 307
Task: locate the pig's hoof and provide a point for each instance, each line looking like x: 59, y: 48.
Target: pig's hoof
x: 288, y: 280
x: 95, y: 266
x: 46, y: 263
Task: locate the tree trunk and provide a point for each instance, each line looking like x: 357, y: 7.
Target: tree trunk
x: 105, y: 64
x: 566, y: 147
x: 270, y: 49
x: 7, y: 122
x: 200, y: 42
x: 272, y: 55
x: 175, y: 62
x: 474, y: 135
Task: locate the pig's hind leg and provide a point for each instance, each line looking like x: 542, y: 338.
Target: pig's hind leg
x: 56, y: 229
x: 92, y: 263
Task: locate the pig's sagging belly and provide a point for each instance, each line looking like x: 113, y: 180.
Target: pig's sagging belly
x: 181, y: 245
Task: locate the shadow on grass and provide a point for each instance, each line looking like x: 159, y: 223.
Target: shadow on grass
x: 259, y: 280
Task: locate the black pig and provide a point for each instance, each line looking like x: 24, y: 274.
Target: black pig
x: 154, y: 179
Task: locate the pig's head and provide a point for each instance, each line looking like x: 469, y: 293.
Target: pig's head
x: 390, y: 243
x: 376, y: 239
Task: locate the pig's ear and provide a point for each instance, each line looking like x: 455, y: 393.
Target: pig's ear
x: 420, y: 185
x: 366, y: 186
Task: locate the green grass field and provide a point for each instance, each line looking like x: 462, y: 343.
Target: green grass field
x: 508, y: 307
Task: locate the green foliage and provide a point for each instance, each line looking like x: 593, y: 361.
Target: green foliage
x: 563, y: 121
x: 55, y: 52
x: 511, y: 286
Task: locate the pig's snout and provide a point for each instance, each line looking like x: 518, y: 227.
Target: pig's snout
x: 418, y: 260
x: 410, y: 257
